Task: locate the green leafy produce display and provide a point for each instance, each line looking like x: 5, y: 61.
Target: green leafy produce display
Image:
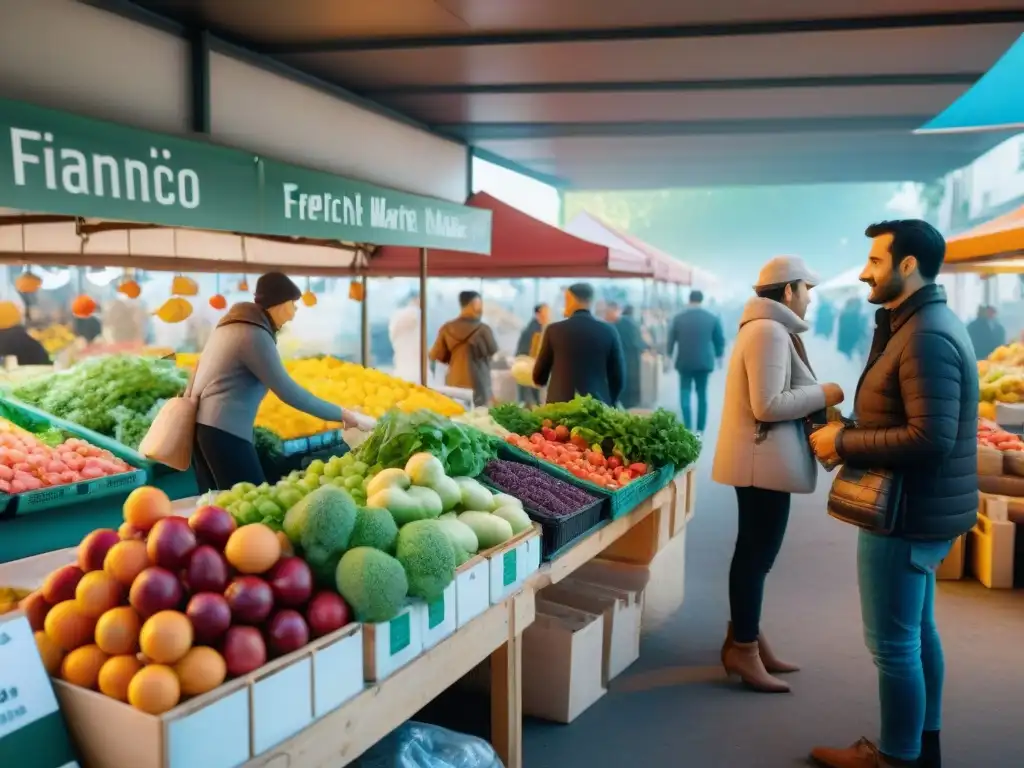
x: 116, y: 396
x: 657, y: 439
x: 463, y: 450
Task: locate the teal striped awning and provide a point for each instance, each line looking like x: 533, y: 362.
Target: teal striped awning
x: 994, y: 103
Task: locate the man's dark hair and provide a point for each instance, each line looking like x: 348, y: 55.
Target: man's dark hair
x: 539, y: 307
x: 696, y: 297
x: 776, y: 292
x: 913, y: 237
x: 467, y: 297
x: 582, y: 291
x: 612, y: 305
x: 628, y: 311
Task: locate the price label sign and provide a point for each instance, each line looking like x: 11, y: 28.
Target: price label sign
x: 33, y: 733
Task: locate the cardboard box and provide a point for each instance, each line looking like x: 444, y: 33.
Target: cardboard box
x: 227, y: 726
x: 338, y: 669
x: 390, y: 645
x: 992, y: 552
x: 952, y: 568
x: 438, y: 619
x: 649, y: 536
x: 511, y: 563
x: 622, y: 611
x: 562, y: 652
x: 472, y: 590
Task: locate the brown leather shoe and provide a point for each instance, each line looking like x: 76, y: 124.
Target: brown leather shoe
x: 863, y: 754
x: 744, y: 661
x: 771, y: 662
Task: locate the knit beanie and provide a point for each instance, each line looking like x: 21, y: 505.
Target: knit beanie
x: 275, y: 288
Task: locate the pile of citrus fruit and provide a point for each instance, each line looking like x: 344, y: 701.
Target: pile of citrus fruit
x: 366, y: 390
x: 168, y: 607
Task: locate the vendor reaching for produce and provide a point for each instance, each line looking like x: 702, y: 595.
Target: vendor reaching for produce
x: 239, y: 364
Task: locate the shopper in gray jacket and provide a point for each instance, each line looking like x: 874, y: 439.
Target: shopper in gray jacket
x: 239, y: 364
x: 763, y: 452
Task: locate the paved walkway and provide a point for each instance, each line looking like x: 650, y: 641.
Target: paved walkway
x: 675, y: 708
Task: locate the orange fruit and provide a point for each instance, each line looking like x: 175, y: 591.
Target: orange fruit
x: 253, y: 549
x: 68, y: 626
x: 97, y: 593
x: 83, y: 306
x: 166, y: 637
x: 145, y: 506
x: 201, y: 670
x: 51, y: 653
x: 126, y: 560
x: 116, y: 674
x: 117, y: 631
x: 154, y: 689
x: 82, y: 666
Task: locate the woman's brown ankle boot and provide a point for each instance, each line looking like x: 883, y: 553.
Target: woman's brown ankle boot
x: 744, y: 661
x: 773, y: 663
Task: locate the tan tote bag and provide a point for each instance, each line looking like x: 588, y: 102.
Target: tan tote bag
x: 171, y: 436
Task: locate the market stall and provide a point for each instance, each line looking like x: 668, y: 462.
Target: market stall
x: 370, y: 611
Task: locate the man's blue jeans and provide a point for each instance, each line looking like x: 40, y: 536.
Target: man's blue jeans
x: 690, y: 380
x: 897, y: 598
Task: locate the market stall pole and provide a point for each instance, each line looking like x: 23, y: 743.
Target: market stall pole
x: 423, y: 317
x: 364, y: 325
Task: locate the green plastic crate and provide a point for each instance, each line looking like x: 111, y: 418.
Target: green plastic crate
x: 74, y: 493
x: 620, y: 502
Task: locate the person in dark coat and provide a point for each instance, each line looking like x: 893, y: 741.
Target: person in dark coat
x: 698, y: 335
x: 986, y: 332
x: 15, y: 340
x: 580, y: 355
x: 528, y: 346
x: 852, y: 329
x: 825, y: 319
x: 633, y: 347
x: 917, y: 414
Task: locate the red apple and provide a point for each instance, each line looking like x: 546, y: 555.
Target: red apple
x: 213, y: 526
x: 327, y: 612
x: 287, y: 632
x: 207, y: 570
x: 154, y: 590
x: 35, y: 608
x: 244, y: 650
x: 94, y: 548
x: 61, y: 584
x: 210, y: 615
x: 250, y: 598
x: 170, y: 543
x: 292, y: 582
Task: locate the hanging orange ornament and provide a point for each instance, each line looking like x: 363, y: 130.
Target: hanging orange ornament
x: 83, y: 306
x: 218, y: 302
x: 27, y: 282
x: 129, y: 288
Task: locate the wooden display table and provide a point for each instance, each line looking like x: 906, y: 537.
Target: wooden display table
x: 341, y: 736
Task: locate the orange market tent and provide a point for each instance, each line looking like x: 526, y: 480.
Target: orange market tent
x: 521, y: 246
x: 992, y: 247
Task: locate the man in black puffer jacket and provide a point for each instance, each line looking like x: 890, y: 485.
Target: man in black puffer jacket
x: 916, y: 412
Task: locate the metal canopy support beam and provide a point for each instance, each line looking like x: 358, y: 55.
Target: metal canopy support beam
x: 672, y: 86
x: 424, y: 304
x: 199, y: 75
x: 674, y: 32
x: 475, y: 132
x: 511, y: 165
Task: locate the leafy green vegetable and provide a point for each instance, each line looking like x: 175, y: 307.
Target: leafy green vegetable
x: 463, y: 450
x: 516, y: 419
x: 116, y: 396
x: 657, y: 439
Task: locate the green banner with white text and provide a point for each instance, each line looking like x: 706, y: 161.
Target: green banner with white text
x: 59, y: 163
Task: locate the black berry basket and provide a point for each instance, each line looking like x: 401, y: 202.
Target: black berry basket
x: 558, y: 531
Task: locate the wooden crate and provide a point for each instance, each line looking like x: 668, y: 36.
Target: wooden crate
x: 223, y: 728
x: 683, y: 490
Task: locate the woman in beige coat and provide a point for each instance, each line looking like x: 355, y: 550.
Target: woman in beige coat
x: 763, y: 452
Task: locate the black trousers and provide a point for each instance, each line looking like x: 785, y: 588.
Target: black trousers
x: 222, y: 459
x: 763, y: 516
